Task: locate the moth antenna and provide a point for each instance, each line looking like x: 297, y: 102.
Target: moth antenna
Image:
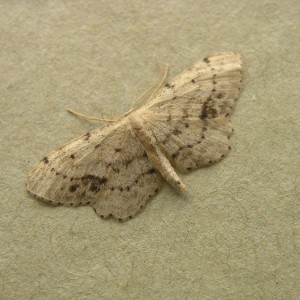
x: 77, y: 114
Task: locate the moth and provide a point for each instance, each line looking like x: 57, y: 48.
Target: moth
x: 184, y: 125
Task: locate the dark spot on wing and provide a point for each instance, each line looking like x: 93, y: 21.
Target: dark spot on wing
x: 208, y: 111
x: 167, y: 85
x: 87, y: 136
x: 117, y: 170
x: 185, y: 114
x: 74, y: 187
x: 150, y: 171
x: 128, y: 162
x: 45, y: 160
x: 175, y: 154
x: 176, y: 131
x: 95, y: 182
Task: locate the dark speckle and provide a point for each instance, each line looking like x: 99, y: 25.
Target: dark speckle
x: 167, y: 85
x: 176, y: 131
x: 175, y: 154
x: 220, y: 96
x: 208, y: 111
x: 128, y: 188
x: 72, y: 156
x: 45, y: 160
x: 118, y: 149
x: 193, y: 81
x: 187, y: 125
x: 74, y: 187
x: 128, y: 162
x: 150, y: 171
x: 206, y: 60
x: 87, y: 136
x: 96, y: 182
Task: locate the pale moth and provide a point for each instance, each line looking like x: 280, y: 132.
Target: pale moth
x: 117, y: 168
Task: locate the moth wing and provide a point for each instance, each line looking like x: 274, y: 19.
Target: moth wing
x: 106, y: 168
x: 190, y: 115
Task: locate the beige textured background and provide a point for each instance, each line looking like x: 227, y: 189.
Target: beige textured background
x: 236, y: 236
